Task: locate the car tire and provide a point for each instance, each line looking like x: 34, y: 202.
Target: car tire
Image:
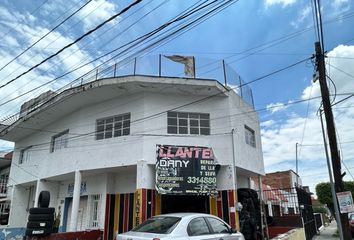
x: 42, y: 210
x: 39, y: 224
x: 43, y: 199
x: 41, y: 217
x: 38, y: 231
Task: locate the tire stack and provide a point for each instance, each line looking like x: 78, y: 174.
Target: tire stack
x: 250, y: 215
x: 41, y: 219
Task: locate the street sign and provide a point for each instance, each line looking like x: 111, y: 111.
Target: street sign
x: 185, y: 170
x: 345, y: 201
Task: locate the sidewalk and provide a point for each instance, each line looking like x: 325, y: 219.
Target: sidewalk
x: 327, y: 232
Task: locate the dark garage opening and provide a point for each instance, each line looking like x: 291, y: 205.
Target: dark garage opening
x: 184, y: 203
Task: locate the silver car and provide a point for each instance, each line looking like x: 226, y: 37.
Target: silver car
x: 178, y: 226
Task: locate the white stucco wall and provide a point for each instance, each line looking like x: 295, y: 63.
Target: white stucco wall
x: 86, y: 154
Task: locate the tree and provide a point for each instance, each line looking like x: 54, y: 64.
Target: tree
x: 324, y: 194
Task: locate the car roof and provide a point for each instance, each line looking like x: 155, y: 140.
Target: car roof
x: 185, y: 214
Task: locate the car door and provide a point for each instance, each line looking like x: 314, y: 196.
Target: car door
x: 220, y: 230
x: 198, y: 229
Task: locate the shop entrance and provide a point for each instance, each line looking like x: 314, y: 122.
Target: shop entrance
x: 184, y: 203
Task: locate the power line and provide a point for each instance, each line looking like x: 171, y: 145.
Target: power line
x: 134, y: 42
x: 72, y: 43
x: 58, y: 25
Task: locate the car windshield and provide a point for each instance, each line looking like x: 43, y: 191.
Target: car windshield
x: 163, y: 225
x: 352, y: 217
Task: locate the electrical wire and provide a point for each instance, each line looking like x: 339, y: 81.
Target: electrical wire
x: 41, y: 38
x: 72, y: 43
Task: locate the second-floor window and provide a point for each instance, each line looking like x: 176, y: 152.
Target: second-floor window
x: 188, y: 123
x: 250, y: 136
x: 25, y: 155
x: 114, y: 126
x: 59, y: 141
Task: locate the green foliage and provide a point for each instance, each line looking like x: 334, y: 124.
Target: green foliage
x: 319, y: 209
x: 324, y: 194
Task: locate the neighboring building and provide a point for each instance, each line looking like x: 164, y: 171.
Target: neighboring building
x: 5, y: 163
x: 95, y: 148
x: 282, y: 179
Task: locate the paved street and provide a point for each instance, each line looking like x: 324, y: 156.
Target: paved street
x: 327, y: 233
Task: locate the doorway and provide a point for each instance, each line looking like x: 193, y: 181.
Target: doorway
x: 184, y: 203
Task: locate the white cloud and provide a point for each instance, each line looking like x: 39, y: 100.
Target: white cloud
x: 276, y: 107
x: 284, y: 3
x: 278, y: 142
x: 302, y: 16
x: 96, y: 12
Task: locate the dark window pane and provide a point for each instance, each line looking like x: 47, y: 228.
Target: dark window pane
x: 119, y: 118
x: 194, y: 130
x: 204, y: 123
x: 158, y: 224
x: 183, y: 115
x: 108, y: 134
x: 118, y: 125
x: 118, y: 133
x: 205, y: 131
x: 100, y: 122
x: 172, y: 121
x: 100, y: 128
x: 194, y: 123
x: 183, y: 122
x: 109, y: 120
x: 126, y: 117
x: 126, y: 131
x: 218, y: 226
x: 204, y: 116
x: 197, y: 227
x: 99, y: 136
x: 183, y: 130
x: 126, y: 124
x: 108, y: 127
x: 172, y: 130
x: 194, y: 115
x: 171, y: 114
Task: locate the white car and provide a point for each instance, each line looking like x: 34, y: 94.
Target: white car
x: 178, y: 226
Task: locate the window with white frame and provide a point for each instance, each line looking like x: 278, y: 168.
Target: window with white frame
x: 250, y: 136
x: 25, y: 155
x: 95, y: 204
x: 114, y: 126
x: 59, y: 141
x: 188, y: 123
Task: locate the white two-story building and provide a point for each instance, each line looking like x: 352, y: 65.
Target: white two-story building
x: 94, y: 147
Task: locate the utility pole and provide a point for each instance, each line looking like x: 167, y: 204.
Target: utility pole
x: 331, y: 133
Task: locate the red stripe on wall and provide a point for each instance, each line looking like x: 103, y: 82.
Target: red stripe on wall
x: 143, y: 210
x: 126, y: 211
x: 153, y: 203
x: 230, y: 194
x: 106, y: 224
x: 219, y: 205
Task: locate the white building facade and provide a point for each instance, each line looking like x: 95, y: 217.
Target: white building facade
x: 94, y: 148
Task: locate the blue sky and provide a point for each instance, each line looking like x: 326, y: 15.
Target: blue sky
x: 244, y: 25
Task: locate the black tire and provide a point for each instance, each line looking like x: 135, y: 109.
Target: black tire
x: 43, y: 199
x: 42, y: 210
x: 39, y: 224
x: 38, y: 231
x: 40, y: 217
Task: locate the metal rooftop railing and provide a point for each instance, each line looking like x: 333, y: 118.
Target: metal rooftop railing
x: 154, y: 65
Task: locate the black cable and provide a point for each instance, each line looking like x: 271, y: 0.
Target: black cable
x: 135, y: 42
x: 58, y: 25
x: 31, y: 13
x: 72, y: 43
x: 199, y: 100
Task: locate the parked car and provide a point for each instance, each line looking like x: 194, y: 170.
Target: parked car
x: 178, y: 226
x: 351, y: 224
